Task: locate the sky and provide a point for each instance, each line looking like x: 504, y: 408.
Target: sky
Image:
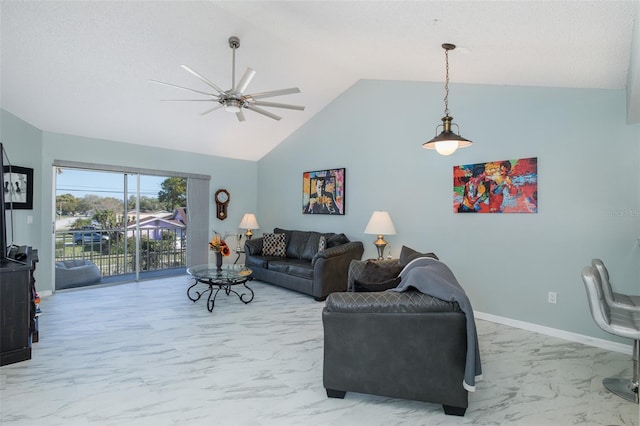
x: 105, y: 184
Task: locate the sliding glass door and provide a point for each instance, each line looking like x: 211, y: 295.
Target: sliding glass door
x: 127, y: 224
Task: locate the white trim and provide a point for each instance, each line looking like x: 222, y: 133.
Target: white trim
x: 554, y: 332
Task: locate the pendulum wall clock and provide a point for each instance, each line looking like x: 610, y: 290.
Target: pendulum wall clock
x: 222, y: 201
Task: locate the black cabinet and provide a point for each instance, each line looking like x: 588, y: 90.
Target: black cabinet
x: 17, y: 308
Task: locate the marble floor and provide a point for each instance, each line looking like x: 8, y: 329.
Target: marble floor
x: 144, y: 354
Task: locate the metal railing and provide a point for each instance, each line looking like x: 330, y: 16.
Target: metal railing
x: 115, y: 254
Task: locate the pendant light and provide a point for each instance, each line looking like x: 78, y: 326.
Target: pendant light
x: 447, y: 142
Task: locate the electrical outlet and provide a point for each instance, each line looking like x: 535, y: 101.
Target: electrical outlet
x: 552, y: 297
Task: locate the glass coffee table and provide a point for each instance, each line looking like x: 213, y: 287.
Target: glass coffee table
x: 224, y: 279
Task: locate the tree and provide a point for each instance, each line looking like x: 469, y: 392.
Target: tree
x: 173, y: 193
x: 66, y: 204
x: 87, y: 204
x: 106, y: 218
x: 147, y: 204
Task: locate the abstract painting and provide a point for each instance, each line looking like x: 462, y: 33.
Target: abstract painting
x: 508, y: 186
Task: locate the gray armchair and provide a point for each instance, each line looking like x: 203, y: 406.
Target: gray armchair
x: 404, y: 345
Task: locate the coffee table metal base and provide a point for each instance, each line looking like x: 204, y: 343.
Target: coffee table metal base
x: 226, y: 287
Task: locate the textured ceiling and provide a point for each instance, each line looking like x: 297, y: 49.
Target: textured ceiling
x: 82, y: 68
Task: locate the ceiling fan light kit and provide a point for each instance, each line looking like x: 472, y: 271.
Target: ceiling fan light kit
x: 234, y: 100
x: 447, y: 142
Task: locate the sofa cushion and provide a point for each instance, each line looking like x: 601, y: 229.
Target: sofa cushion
x: 311, y: 246
x: 259, y: 261
x: 408, y: 254
x: 374, y: 272
x: 301, y: 269
x: 287, y: 234
x: 273, y: 245
x: 279, y: 266
x: 376, y: 286
x: 337, y: 240
x: 297, y: 244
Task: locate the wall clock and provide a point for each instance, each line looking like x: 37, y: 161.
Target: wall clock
x: 222, y: 201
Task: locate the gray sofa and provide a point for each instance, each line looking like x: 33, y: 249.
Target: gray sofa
x: 306, y: 264
x: 402, y: 345
x: 76, y: 273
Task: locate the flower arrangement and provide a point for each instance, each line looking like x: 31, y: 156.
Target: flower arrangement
x: 217, y: 244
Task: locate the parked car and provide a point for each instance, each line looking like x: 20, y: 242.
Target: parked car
x: 86, y: 238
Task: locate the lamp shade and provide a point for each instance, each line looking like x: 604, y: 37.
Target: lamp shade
x: 249, y: 222
x: 447, y: 142
x: 380, y: 224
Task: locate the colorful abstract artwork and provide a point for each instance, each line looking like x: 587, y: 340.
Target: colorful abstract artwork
x: 509, y: 186
x: 323, y: 192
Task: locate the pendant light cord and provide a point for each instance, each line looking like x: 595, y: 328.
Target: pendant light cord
x: 446, y: 83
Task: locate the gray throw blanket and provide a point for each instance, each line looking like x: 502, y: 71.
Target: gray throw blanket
x: 432, y: 277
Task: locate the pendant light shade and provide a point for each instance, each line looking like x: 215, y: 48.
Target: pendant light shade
x: 448, y: 141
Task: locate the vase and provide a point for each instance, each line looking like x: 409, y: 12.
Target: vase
x: 219, y: 260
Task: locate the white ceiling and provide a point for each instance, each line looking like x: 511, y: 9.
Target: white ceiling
x: 82, y: 68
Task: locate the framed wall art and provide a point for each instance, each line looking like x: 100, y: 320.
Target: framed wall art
x: 508, y: 186
x: 18, y: 187
x: 323, y: 192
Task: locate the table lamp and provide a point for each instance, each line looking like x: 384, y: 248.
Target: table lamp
x: 249, y: 222
x: 380, y: 224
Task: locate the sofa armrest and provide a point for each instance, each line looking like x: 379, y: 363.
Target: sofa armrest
x: 356, y: 268
x: 411, y: 301
x: 330, y: 268
x: 253, y: 247
x: 346, y: 248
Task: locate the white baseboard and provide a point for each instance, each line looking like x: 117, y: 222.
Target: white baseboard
x: 561, y: 334
x: 45, y: 293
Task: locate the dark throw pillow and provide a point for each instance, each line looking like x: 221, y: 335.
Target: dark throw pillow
x: 337, y: 240
x: 373, y: 272
x: 364, y: 286
x: 408, y: 254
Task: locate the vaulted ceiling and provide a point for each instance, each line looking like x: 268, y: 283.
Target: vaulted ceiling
x: 83, y: 68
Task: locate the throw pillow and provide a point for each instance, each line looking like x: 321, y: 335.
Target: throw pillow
x: 337, y: 240
x: 363, y: 286
x: 374, y: 272
x: 322, y: 244
x: 273, y: 245
x: 408, y: 254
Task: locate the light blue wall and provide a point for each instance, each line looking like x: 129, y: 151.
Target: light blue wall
x: 29, y: 147
x: 588, y: 188
x: 22, y: 143
x: 588, y: 162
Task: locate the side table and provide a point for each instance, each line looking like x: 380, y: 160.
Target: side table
x: 238, y: 251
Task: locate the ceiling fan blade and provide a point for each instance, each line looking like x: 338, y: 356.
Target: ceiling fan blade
x: 263, y: 112
x: 240, y: 115
x: 187, y: 100
x: 184, y: 88
x: 277, y: 105
x: 248, y: 75
x: 274, y: 93
x: 206, y: 80
x: 212, y: 109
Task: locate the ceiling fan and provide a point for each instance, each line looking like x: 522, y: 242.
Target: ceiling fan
x: 234, y: 100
